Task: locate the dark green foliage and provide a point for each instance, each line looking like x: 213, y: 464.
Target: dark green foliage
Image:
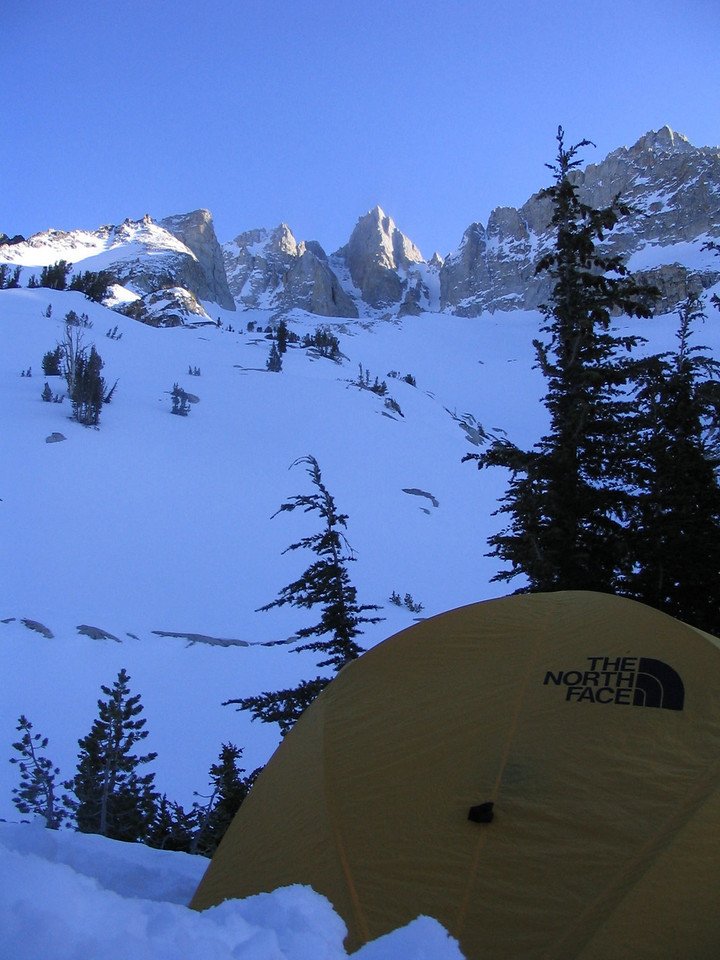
x: 676, y: 520
x: 274, y: 360
x: 407, y: 601
x: 283, y: 707
x: 324, y: 343
x: 32, y: 282
x: 87, y: 392
x: 9, y: 278
x: 55, y: 276
x: 78, y: 320
x: 229, y: 789
x: 282, y: 337
x: 568, y: 496
x: 93, y: 284
x: 37, y: 793
x: 325, y: 584
x: 180, y: 402
x: 173, y: 828
x: 112, y: 796
x: 51, y: 362
x: 365, y: 382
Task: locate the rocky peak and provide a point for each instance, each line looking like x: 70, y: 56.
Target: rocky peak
x: 673, y: 189
x: 374, y: 254
x: 269, y: 269
x: 197, y: 231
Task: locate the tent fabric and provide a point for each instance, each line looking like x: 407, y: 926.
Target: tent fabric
x: 590, y: 722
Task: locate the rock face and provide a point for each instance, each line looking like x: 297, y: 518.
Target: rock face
x: 197, y: 232
x: 269, y: 269
x: 674, y: 190
x: 378, y: 257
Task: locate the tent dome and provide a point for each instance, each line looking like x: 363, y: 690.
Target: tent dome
x: 540, y: 773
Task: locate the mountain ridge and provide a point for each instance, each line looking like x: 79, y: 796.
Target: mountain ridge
x: 672, y: 187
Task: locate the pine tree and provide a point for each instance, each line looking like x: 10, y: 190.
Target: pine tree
x: 282, y: 337
x: 180, y: 402
x: 229, y: 789
x: 274, y: 361
x: 37, y: 793
x: 325, y: 584
x: 676, y: 521
x: 55, y: 275
x: 112, y: 796
x: 567, y: 497
x: 173, y: 828
x: 88, y: 388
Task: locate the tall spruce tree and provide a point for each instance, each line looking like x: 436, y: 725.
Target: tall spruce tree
x: 324, y: 584
x: 112, y: 796
x: 567, y: 497
x: 676, y: 521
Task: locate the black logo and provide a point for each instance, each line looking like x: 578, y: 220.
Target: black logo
x: 629, y: 681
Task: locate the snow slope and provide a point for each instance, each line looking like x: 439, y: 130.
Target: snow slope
x: 74, y: 897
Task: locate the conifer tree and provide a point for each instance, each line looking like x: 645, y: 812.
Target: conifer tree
x: 274, y: 360
x: 37, y: 793
x: 282, y: 337
x: 172, y: 828
x: 676, y: 521
x: 229, y: 789
x: 567, y: 496
x: 112, y: 796
x: 324, y: 584
x: 55, y: 275
x: 88, y: 388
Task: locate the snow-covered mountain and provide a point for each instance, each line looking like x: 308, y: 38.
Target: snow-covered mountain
x: 672, y: 186
x: 673, y: 189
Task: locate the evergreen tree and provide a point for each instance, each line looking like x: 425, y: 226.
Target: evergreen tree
x: 324, y: 584
x: 229, y: 789
x: 51, y: 362
x: 180, y: 402
x: 9, y: 279
x: 282, y: 337
x: 37, y: 793
x: 676, y: 521
x: 88, y: 388
x: 55, y: 275
x: 274, y: 361
x: 173, y: 828
x: 567, y: 497
x: 95, y: 285
x: 112, y: 796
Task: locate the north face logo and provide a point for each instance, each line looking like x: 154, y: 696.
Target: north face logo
x: 632, y: 681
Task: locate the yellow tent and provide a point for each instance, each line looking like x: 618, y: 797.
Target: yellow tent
x: 540, y: 773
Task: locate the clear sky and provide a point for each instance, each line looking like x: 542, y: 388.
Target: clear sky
x: 313, y: 111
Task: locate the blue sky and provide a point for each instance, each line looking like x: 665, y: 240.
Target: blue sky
x: 313, y: 112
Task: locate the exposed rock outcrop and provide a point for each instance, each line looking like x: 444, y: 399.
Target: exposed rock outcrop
x: 378, y: 256
x: 673, y: 189
x: 269, y: 269
x: 196, y: 230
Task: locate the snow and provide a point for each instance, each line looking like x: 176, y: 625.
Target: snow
x: 66, y: 896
